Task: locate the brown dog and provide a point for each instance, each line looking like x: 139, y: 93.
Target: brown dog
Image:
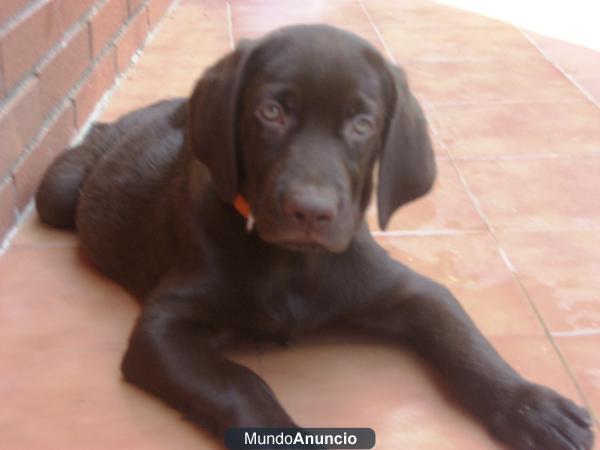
x: 286, y: 131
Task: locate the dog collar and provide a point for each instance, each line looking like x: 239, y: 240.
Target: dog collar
x: 243, y: 207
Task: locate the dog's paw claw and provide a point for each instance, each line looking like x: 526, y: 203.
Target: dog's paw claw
x: 536, y: 417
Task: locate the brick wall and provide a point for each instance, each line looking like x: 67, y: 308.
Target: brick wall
x: 57, y: 59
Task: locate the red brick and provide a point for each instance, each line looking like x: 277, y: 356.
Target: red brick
x: 71, y: 10
x: 156, y: 10
x: 60, y: 134
x: 131, y: 40
x: 101, y: 79
x: 7, y: 207
x: 20, y: 120
x: 29, y: 172
x: 10, y: 146
x: 24, y: 43
x: 59, y: 75
x: 133, y: 5
x: 10, y: 8
x: 106, y: 22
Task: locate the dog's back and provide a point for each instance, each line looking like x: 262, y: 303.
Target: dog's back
x: 117, y: 189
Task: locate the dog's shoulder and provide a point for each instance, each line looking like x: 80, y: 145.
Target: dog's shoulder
x: 161, y: 119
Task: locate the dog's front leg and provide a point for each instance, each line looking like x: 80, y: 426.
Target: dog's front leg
x: 175, y: 353
x: 525, y: 415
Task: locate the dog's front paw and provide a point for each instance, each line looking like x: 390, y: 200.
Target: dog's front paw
x: 535, y: 417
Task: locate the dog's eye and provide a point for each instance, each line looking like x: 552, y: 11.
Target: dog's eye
x: 270, y: 112
x: 363, y: 125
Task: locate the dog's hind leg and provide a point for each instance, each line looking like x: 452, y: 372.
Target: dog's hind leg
x: 57, y: 195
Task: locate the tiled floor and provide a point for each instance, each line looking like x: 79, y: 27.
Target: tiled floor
x: 512, y: 227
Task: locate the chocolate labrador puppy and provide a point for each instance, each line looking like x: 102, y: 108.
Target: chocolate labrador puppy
x: 239, y: 214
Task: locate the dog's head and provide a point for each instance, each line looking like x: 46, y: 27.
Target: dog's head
x: 295, y: 122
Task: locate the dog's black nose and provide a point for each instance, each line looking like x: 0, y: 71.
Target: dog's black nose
x: 310, y: 208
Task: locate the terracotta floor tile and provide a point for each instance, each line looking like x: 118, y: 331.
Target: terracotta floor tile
x: 365, y: 31
x: 63, y: 338
x: 536, y: 359
x: 330, y: 383
x: 423, y: 12
x: 536, y: 194
x: 191, y: 15
x: 467, y: 82
x: 269, y: 16
x: 206, y: 28
x: 580, y: 63
x: 560, y: 273
x: 581, y: 352
x: 179, y: 74
x: 174, y: 60
x: 572, y: 58
x: 322, y: 383
x: 157, y: 78
x: 471, y: 267
x: 33, y: 232
x: 292, y: 4
x: 427, y: 43
x: 76, y: 399
x: 437, y: 210
x: 122, y: 103
x: 171, y: 44
x: 591, y: 85
x: 69, y: 306
x: 571, y: 128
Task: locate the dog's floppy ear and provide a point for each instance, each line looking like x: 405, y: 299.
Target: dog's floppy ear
x: 212, y: 117
x: 406, y: 166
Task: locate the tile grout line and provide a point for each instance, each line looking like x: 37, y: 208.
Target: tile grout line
x: 530, y: 157
x: 559, y: 68
x: 524, y: 101
x: 5, y: 243
x: 377, y: 32
x: 492, y: 101
x: 577, y: 333
x: 551, y: 336
x: 230, y: 25
x: 469, y: 192
x: 506, y: 259
x: 434, y: 109
x: 470, y: 231
x: 430, y: 107
x: 432, y: 232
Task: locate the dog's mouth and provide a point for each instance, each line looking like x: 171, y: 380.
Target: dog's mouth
x: 303, y: 246
x: 306, y: 243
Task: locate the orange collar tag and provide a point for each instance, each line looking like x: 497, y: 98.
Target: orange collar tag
x: 243, y: 207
